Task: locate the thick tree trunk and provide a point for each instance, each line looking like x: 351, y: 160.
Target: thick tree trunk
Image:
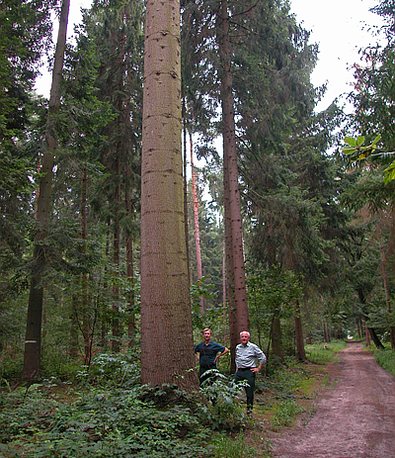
x: 166, y: 321
x: 367, y: 335
x: 277, y: 339
x: 32, y: 355
x: 231, y: 183
x: 326, y: 333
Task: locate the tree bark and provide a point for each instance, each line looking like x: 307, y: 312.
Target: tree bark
x: 276, y: 339
x: 231, y: 182
x: 300, y: 351
x: 129, y: 264
x: 195, y: 204
x: 375, y: 339
x: 166, y: 322
x: 32, y: 355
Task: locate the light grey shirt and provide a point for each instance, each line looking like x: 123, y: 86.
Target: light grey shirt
x: 249, y: 355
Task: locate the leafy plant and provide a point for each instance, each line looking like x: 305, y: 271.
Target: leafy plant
x: 386, y: 359
x: 225, y: 410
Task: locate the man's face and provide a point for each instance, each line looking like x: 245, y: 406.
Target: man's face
x: 207, y: 335
x: 244, y: 337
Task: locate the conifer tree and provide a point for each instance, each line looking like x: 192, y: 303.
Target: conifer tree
x: 165, y: 302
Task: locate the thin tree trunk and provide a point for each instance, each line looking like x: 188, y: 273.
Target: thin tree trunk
x: 115, y: 342
x: 300, y: 350
x: 129, y: 265
x: 32, y: 355
x: 84, y: 277
x: 185, y: 163
x: 375, y: 339
x: 74, y: 327
x: 166, y: 320
x: 230, y: 289
x: 367, y: 335
x: 195, y: 204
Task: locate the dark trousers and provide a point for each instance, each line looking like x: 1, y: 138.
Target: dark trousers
x: 249, y: 376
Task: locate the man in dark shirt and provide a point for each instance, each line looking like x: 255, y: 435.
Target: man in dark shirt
x: 207, y: 353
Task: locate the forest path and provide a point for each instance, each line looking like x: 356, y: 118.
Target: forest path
x: 354, y: 419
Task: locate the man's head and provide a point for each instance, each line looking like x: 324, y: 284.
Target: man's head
x: 207, y: 334
x: 244, y: 337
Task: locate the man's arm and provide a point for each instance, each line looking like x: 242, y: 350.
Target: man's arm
x: 222, y: 354
x: 261, y: 358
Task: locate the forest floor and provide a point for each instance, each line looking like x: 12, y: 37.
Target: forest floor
x: 354, y: 417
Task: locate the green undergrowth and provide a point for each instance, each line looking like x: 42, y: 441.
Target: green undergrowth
x: 107, y: 412
x: 386, y: 359
x: 325, y: 352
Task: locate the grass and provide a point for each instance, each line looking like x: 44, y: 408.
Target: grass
x: 386, y: 359
x: 226, y: 446
x: 324, y: 353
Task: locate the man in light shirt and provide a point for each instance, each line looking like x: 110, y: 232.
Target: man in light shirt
x: 248, y: 355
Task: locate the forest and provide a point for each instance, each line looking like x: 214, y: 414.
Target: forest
x: 180, y: 177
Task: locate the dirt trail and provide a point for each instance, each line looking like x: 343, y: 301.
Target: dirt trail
x: 355, y: 419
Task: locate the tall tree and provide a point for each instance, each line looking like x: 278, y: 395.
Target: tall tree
x: 32, y: 356
x: 195, y: 206
x: 165, y: 301
x: 234, y: 236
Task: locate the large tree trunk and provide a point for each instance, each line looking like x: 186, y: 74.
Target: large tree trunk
x: 231, y: 182
x: 166, y: 322
x: 277, y: 339
x: 32, y: 356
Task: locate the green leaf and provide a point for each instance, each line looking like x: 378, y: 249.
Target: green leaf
x: 376, y: 139
x: 360, y: 140
x: 350, y: 141
x: 389, y: 173
x: 349, y: 150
